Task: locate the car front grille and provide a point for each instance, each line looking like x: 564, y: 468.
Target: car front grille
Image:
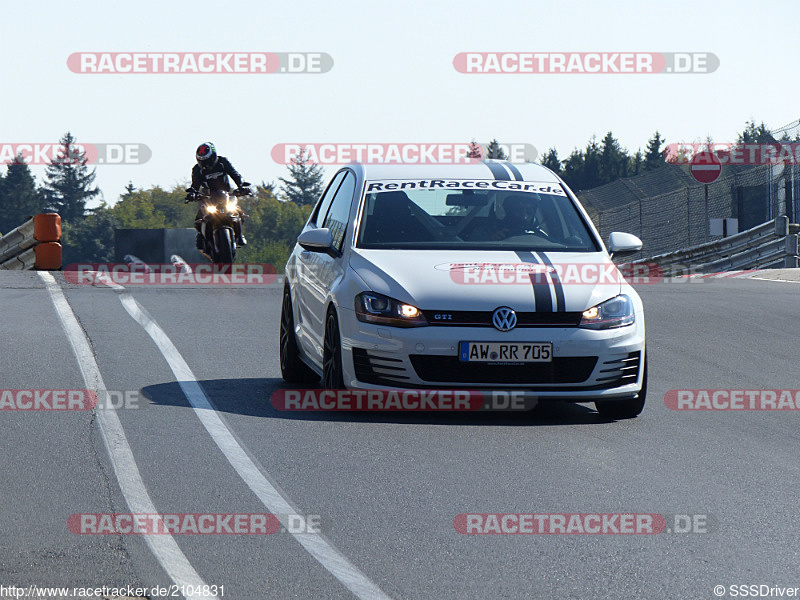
x: 483, y: 318
x: 381, y: 369
x: 563, y: 369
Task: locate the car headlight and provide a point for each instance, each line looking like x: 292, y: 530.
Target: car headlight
x: 382, y: 310
x: 613, y: 313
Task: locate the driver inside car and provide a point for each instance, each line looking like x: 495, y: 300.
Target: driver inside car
x: 517, y: 218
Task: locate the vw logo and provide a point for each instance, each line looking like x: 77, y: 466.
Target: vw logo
x: 504, y: 318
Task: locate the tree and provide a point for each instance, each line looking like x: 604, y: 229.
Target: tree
x: 592, y: 165
x: 304, y: 185
x: 636, y: 164
x: 755, y: 134
x: 573, y: 170
x: 654, y: 156
x: 493, y: 150
x: 18, y: 195
x: 550, y: 160
x: 89, y: 240
x: 474, y: 151
x: 68, y: 182
x: 155, y: 208
x: 613, y: 159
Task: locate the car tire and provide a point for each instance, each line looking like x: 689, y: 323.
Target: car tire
x: 332, y: 373
x: 293, y: 369
x: 628, y: 408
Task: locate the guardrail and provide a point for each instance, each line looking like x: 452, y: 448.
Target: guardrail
x: 33, y: 245
x: 771, y: 244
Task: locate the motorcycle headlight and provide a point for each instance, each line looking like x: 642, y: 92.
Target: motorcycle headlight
x: 231, y: 206
x: 382, y: 310
x: 613, y: 313
x: 211, y: 208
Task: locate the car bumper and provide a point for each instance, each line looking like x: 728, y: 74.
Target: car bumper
x: 587, y: 364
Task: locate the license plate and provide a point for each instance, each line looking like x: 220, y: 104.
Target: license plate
x: 511, y: 352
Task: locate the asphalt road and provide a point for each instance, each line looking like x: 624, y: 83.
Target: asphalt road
x: 387, y: 487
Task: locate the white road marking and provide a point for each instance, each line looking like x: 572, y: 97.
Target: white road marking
x: 163, y: 546
x: 316, y: 545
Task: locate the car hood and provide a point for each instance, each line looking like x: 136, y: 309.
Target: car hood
x: 484, y: 280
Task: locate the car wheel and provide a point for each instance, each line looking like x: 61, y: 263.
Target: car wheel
x: 332, y: 375
x: 293, y: 369
x: 628, y: 408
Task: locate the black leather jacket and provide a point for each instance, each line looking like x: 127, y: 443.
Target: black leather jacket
x: 216, y: 178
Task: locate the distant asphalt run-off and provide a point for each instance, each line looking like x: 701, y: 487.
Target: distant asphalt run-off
x: 203, y: 438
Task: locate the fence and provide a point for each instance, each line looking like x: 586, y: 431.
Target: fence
x: 679, y: 217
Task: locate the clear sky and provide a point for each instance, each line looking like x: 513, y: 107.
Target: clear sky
x: 392, y: 80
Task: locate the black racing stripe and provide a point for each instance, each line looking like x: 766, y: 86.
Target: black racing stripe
x: 543, y: 302
x: 498, y: 171
x: 561, y: 305
x: 514, y: 171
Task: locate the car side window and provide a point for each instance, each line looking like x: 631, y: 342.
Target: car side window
x: 339, y: 212
x: 325, y: 201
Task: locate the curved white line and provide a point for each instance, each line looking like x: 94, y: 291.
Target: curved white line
x: 163, y: 546
x: 316, y: 545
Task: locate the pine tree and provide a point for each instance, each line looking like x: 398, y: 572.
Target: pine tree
x: 550, y: 160
x: 573, y: 171
x: 68, y: 181
x: 304, y: 185
x: 636, y: 164
x: 18, y: 196
x: 654, y: 156
x: 755, y: 134
x: 474, y: 151
x: 493, y: 150
x: 592, y: 176
x: 613, y: 159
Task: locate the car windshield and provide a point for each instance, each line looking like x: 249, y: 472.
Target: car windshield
x: 471, y: 215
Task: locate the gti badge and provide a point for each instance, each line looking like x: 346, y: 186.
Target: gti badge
x: 504, y: 319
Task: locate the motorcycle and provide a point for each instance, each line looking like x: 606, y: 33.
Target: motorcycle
x: 221, y: 215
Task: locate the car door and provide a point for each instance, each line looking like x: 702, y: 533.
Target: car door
x: 305, y: 262
x: 324, y: 270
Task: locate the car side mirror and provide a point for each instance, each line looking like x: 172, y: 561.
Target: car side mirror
x: 620, y: 244
x: 316, y: 240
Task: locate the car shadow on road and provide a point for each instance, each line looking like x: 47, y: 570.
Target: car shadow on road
x: 251, y: 397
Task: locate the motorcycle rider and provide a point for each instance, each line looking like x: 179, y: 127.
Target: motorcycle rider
x: 213, y: 171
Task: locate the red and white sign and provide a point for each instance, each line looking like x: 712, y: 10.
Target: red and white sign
x: 705, y: 167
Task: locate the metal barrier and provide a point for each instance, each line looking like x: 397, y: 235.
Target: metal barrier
x: 33, y: 245
x: 771, y: 244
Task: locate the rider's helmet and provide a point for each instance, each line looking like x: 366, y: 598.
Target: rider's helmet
x: 206, y: 155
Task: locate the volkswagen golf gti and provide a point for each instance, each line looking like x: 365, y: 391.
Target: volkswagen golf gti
x: 482, y: 276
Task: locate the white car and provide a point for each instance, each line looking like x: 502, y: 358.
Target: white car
x: 484, y: 276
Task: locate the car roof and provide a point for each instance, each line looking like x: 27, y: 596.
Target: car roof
x: 486, y: 169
